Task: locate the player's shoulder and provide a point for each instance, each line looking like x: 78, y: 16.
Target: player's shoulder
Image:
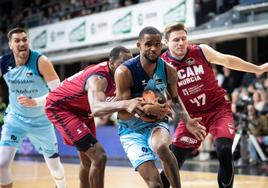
x: 133, y: 61
x: 7, y: 62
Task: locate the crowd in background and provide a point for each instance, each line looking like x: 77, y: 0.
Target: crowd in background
x: 252, y: 89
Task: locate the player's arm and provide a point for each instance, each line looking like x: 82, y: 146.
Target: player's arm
x: 230, y: 61
x: 96, y: 87
x: 123, y: 82
x: 192, y: 124
x: 51, y: 78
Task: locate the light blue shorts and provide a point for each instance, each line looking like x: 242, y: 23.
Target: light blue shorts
x: 137, y: 141
x: 39, y: 130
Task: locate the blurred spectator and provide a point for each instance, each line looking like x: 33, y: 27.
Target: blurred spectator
x: 2, y: 110
x: 228, y: 81
x: 218, y: 75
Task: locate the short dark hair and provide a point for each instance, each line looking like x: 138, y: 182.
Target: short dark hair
x: 173, y: 27
x: 115, y: 52
x: 149, y: 30
x: 15, y: 30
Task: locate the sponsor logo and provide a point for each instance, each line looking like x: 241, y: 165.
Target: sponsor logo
x: 13, y: 137
x: 40, y: 41
x: 9, y: 68
x: 78, y: 131
x: 176, y: 14
x: 158, y: 81
x: 144, y: 149
x: 231, y: 128
x: 143, y: 82
x: 78, y: 34
x: 28, y: 74
x: 123, y: 25
x: 110, y: 99
x: 188, y: 140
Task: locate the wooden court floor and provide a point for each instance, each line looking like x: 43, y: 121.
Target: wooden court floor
x: 36, y: 175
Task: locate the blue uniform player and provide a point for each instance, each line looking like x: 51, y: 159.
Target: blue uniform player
x: 143, y: 141
x: 29, y: 77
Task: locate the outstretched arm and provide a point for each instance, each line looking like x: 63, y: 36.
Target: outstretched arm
x: 192, y: 124
x: 51, y: 78
x: 231, y: 62
x: 96, y: 87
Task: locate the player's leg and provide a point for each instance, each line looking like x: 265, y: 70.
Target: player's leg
x: 150, y: 174
x: 97, y: 157
x: 7, y: 154
x: 160, y: 141
x: 223, y: 131
x: 44, y: 139
x: 183, y: 143
x: 226, y: 169
x: 181, y: 155
x: 141, y: 156
x: 84, y: 169
x: 11, y: 137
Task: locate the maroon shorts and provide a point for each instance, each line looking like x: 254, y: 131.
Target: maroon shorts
x: 219, y: 123
x: 72, y: 127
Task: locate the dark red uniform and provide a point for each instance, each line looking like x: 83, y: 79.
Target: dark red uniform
x: 68, y: 108
x: 202, y: 97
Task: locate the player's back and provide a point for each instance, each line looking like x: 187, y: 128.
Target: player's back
x: 72, y: 94
x: 197, y: 85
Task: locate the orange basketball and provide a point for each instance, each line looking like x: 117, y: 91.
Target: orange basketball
x: 149, y: 98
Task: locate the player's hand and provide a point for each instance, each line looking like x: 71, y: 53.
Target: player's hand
x: 26, y: 101
x: 134, y: 104
x: 195, y: 128
x: 154, y: 108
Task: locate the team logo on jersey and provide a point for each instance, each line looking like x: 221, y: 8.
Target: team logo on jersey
x: 9, y: 68
x: 29, y: 74
x: 158, y: 81
x: 143, y: 82
x: 231, y: 128
x: 190, y: 61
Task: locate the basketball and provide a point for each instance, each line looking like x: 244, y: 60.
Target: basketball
x: 153, y: 109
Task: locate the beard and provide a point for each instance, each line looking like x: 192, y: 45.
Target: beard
x: 151, y: 60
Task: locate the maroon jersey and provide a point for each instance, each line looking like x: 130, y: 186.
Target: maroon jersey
x: 71, y: 93
x: 197, y: 85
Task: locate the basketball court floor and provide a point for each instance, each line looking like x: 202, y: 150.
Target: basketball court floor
x: 33, y: 173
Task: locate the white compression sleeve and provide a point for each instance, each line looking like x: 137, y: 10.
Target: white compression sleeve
x: 41, y: 101
x: 57, y: 171
x: 6, y: 157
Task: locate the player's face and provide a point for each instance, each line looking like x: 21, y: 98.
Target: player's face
x: 177, y: 43
x: 19, y: 44
x: 150, y: 47
x: 121, y: 59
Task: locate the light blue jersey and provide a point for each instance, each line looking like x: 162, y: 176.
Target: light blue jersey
x: 24, y: 80
x: 135, y: 134
x: 21, y: 121
x: 141, y: 82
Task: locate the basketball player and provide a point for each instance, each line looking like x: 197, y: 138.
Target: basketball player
x: 71, y: 106
x: 29, y: 77
x: 142, y: 140
x: 202, y: 97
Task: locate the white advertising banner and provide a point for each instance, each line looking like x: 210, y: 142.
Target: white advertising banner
x: 119, y: 24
